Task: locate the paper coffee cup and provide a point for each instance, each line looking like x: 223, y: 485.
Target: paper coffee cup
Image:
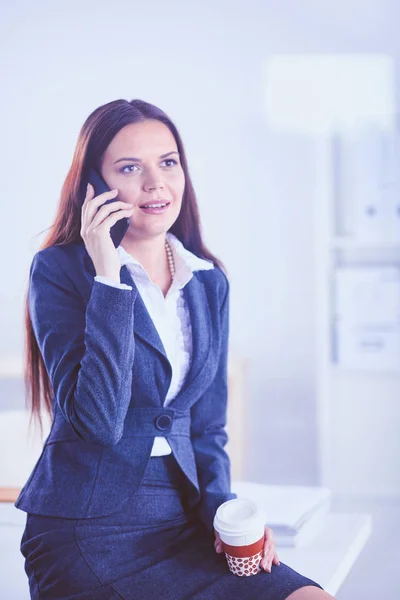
x: 241, y: 523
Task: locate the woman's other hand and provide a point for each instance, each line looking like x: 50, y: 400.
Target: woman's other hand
x: 269, y: 550
x: 218, y: 543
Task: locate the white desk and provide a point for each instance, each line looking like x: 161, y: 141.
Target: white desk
x: 330, y: 556
x: 331, y: 546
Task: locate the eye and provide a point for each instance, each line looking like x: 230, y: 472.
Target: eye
x: 171, y: 160
x: 125, y: 167
x: 167, y: 160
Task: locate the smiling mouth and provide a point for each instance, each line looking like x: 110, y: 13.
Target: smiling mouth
x: 155, y: 205
x: 155, y: 209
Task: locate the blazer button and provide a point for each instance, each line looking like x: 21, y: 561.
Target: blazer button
x: 163, y: 422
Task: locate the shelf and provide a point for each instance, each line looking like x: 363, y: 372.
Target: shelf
x: 365, y: 372
x: 354, y: 244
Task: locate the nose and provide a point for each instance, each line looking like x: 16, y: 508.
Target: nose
x: 152, y: 183
x: 153, y: 186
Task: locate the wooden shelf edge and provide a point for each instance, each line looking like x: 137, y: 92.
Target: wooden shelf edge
x: 9, y: 494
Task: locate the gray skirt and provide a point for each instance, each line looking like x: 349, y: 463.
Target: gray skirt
x: 153, y: 548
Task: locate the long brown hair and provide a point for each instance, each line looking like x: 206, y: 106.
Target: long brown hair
x: 96, y: 134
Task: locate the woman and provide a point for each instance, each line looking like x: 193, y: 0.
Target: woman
x: 128, y: 348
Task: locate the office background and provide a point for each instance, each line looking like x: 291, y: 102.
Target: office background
x: 265, y: 184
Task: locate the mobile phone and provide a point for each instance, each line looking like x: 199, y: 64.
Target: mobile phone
x: 118, y: 230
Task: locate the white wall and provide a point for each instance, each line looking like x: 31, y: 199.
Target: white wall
x: 204, y: 65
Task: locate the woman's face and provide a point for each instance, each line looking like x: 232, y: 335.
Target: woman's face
x: 143, y: 163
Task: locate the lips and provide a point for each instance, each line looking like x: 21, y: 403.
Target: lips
x: 155, y: 202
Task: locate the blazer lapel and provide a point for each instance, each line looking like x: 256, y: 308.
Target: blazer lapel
x: 197, y: 301
x: 143, y: 324
x: 200, y: 316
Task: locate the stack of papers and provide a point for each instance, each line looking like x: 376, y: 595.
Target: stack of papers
x: 296, y: 514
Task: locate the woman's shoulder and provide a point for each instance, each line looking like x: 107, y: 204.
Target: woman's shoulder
x: 59, y: 262
x: 60, y: 252
x: 214, y: 278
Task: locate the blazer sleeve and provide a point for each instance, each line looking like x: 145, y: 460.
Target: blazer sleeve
x: 208, y: 434
x: 108, y: 281
x: 88, y: 350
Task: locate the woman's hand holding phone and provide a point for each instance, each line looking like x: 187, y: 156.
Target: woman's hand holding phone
x: 95, y: 230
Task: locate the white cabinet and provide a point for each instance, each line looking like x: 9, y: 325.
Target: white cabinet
x: 358, y: 347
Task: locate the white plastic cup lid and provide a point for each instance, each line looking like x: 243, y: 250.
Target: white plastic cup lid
x: 239, y: 516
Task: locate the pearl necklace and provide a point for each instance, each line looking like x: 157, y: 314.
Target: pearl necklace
x: 170, y: 257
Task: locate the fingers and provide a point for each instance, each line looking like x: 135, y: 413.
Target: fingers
x: 89, y: 196
x: 90, y: 205
x: 117, y: 209
x: 92, y: 217
x: 268, y: 533
x: 92, y: 202
x: 89, y: 193
x: 101, y: 198
x: 266, y: 561
x: 269, y: 552
x: 217, y: 543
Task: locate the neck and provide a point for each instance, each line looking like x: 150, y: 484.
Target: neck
x: 150, y: 253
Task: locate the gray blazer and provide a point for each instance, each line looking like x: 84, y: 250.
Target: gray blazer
x: 110, y: 376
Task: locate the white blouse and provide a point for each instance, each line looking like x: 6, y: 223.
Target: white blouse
x: 170, y: 314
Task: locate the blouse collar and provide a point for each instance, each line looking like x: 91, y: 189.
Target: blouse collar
x: 186, y: 262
